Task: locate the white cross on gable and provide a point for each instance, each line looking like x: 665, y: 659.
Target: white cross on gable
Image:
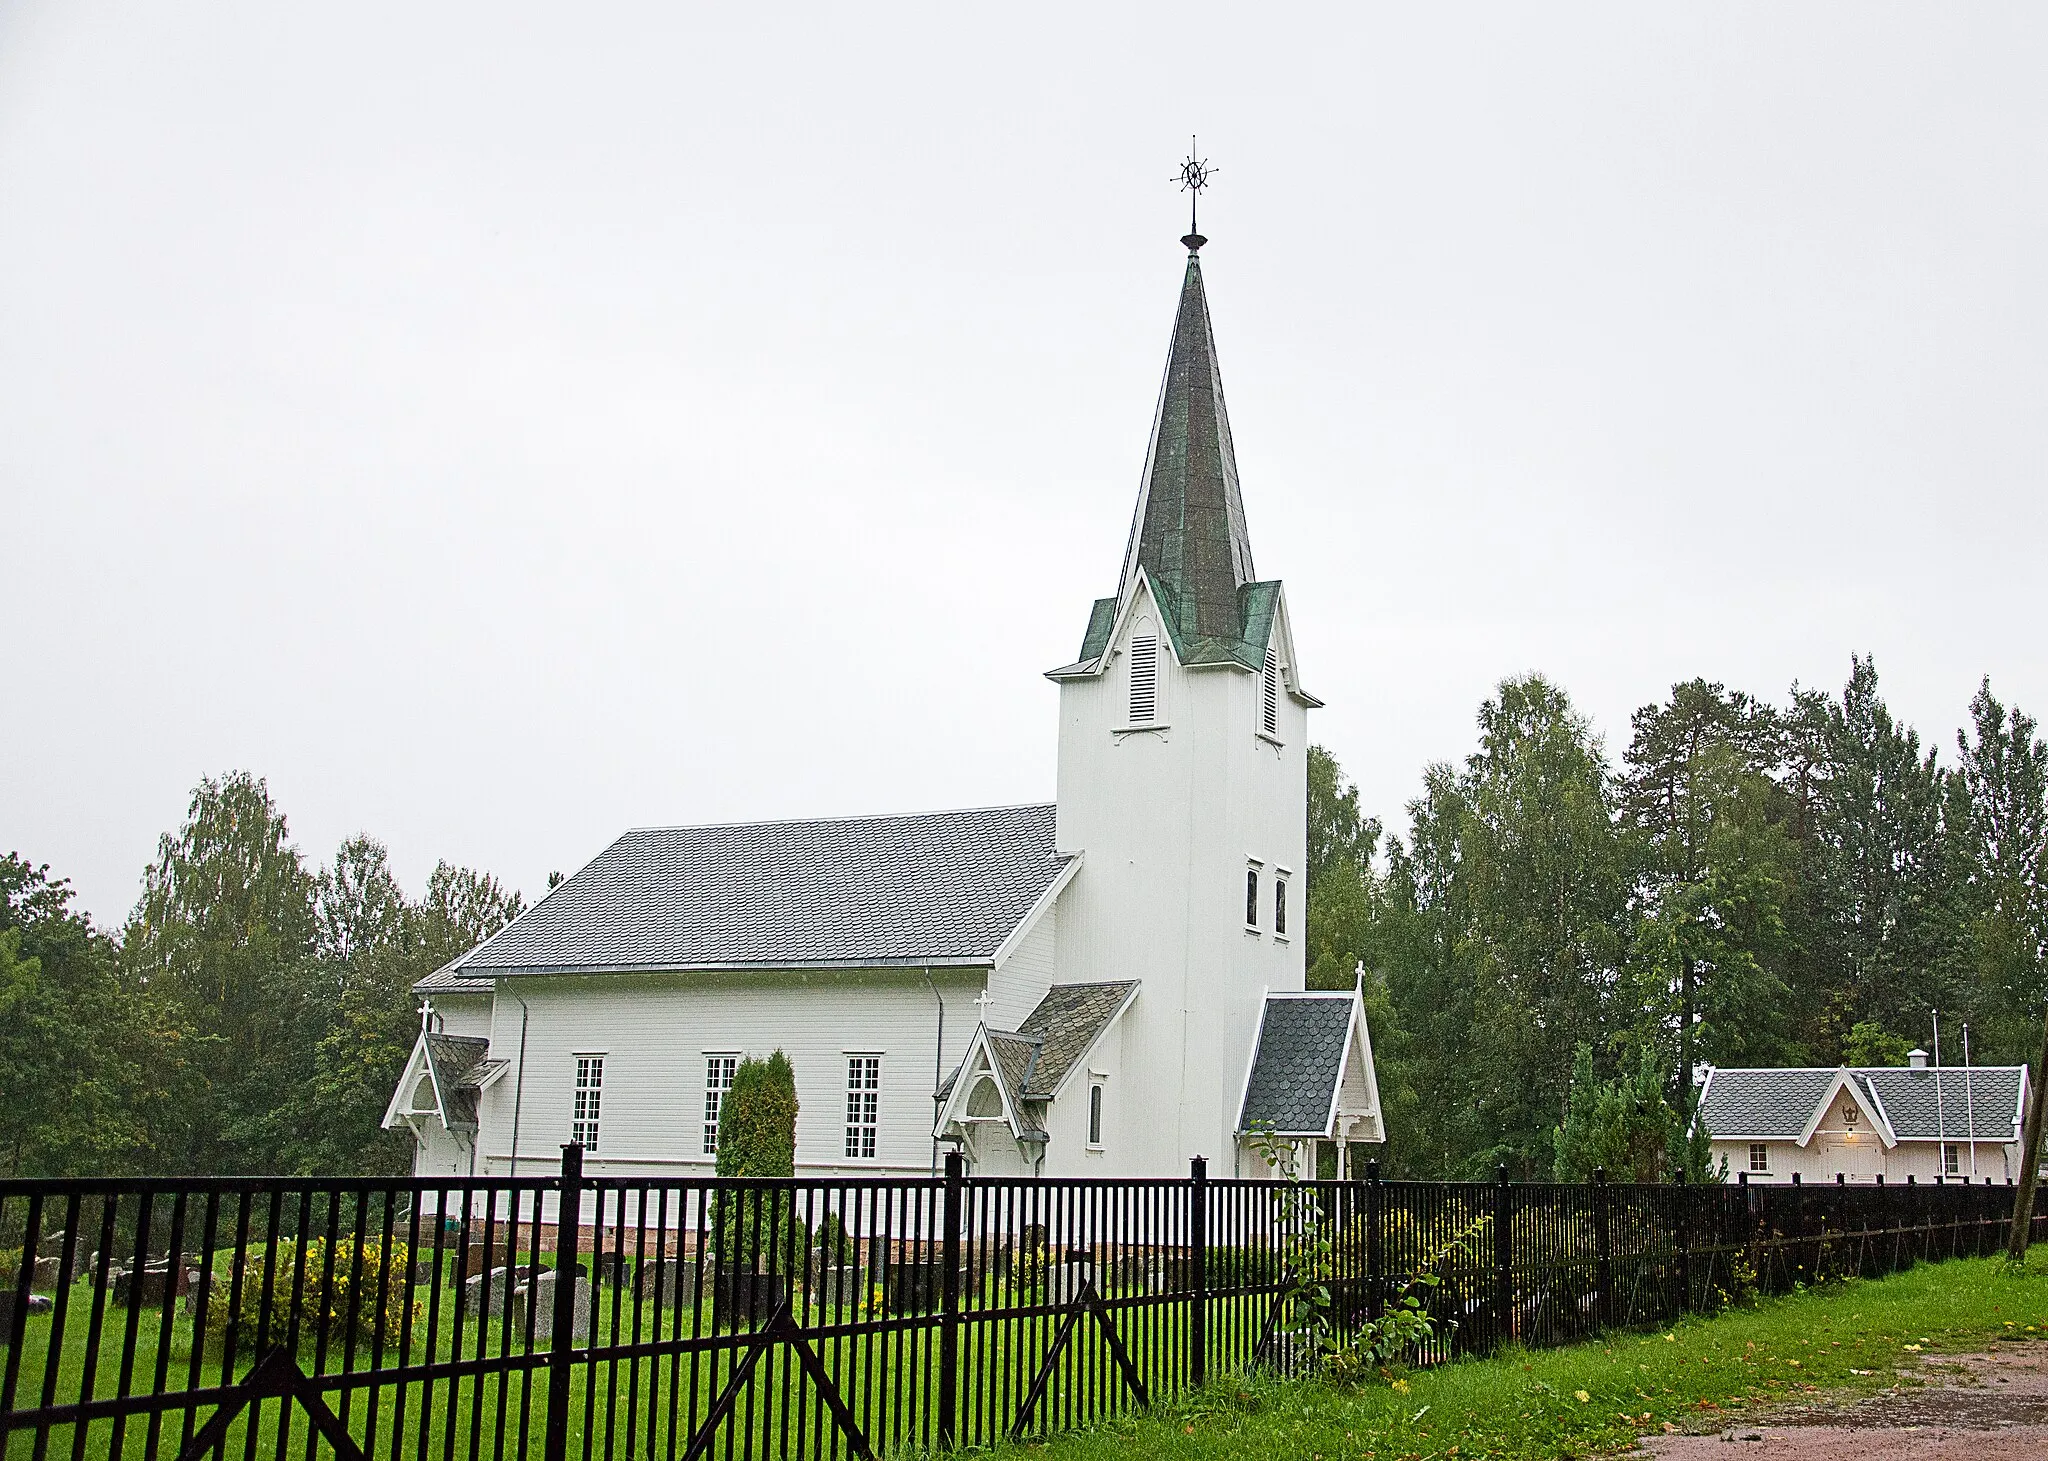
x: 983, y: 1002
x: 426, y: 1016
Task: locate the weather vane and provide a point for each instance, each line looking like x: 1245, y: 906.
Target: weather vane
x: 1194, y: 176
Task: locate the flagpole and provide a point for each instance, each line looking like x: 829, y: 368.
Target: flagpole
x: 1969, y: 1101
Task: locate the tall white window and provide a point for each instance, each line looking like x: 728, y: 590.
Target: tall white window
x: 1759, y: 1157
x: 1279, y: 907
x: 718, y: 1073
x: 1095, y: 1113
x: 1269, y: 695
x: 1951, y: 1159
x: 863, y: 1103
x: 1144, y: 660
x: 1251, y: 897
x: 589, y: 1096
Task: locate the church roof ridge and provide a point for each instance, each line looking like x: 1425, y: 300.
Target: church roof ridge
x: 849, y: 817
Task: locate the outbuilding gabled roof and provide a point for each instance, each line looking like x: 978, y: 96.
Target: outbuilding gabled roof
x: 1984, y: 1103
x: 933, y: 889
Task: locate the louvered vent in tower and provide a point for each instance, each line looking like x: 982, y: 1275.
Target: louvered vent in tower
x: 1144, y: 679
x: 1269, y: 711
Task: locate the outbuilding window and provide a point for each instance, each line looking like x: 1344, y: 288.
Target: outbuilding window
x: 1759, y: 1157
x: 863, y: 1103
x: 589, y: 1097
x: 1951, y: 1159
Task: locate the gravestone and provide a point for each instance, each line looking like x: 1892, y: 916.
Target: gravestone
x: 148, y: 1287
x: 839, y: 1286
x: 744, y: 1297
x: 541, y: 1294
x: 494, y: 1289
x: 1065, y: 1279
x: 668, y: 1282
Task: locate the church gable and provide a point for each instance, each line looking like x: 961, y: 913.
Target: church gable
x: 443, y: 1078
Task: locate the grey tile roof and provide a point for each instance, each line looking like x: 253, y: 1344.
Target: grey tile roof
x: 849, y: 892
x: 446, y: 980
x: 1989, y: 1093
x: 1065, y: 1024
x: 1764, y: 1103
x: 1293, y: 1085
x: 1032, y: 1060
x: 460, y: 1062
x: 1778, y: 1103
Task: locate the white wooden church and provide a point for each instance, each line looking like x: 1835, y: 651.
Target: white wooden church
x: 1105, y: 985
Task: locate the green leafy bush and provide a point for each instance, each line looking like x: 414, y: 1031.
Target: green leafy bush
x: 341, y: 1303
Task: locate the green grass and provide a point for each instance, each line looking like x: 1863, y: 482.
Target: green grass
x: 1850, y: 1338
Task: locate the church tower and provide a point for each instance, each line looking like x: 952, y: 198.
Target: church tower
x: 1183, y: 768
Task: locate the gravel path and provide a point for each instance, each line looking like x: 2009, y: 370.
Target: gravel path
x: 1983, y: 1407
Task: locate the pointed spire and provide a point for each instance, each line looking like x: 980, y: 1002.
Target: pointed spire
x: 1189, y: 531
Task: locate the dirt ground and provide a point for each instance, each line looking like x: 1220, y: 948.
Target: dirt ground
x: 1984, y: 1407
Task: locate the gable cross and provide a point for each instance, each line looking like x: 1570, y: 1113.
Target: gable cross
x: 983, y: 1002
x: 426, y: 1017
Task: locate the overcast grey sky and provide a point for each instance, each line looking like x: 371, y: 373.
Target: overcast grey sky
x: 502, y: 425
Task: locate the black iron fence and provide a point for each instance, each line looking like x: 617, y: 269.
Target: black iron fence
x: 627, y: 1318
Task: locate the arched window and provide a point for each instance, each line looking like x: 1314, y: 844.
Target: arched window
x: 1251, y: 897
x: 984, y: 1101
x: 1269, y: 695
x: 1144, y: 662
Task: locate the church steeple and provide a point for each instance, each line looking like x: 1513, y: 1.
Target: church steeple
x: 1189, y: 530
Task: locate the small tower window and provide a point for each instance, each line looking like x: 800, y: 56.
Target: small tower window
x: 1279, y: 905
x: 1269, y: 695
x: 1095, y: 1113
x: 1144, y: 679
x: 1251, y: 897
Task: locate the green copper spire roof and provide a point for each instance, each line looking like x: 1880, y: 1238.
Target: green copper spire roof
x: 1189, y: 532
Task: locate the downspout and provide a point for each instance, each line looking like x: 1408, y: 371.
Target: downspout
x: 518, y: 1089
x: 938, y: 1063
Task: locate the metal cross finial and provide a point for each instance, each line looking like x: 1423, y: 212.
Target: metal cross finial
x: 984, y: 1001
x: 1194, y: 176
x: 427, y: 1016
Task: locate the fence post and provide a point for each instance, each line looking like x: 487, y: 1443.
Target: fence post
x: 1603, y: 1300
x: 1375, y: 1258
x: 1684, y: 1244
x: 1504, y: 1255
x: 949, y: 1290
x: 1198, y: 1278
x: 561, y: 1349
